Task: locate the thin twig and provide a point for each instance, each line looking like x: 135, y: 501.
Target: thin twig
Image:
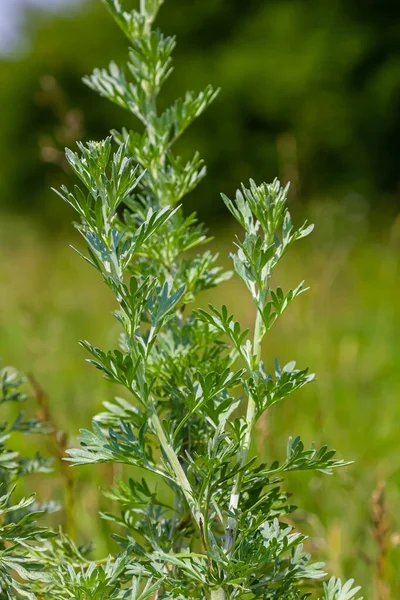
x: 380, y: 531
x: 59, y: 443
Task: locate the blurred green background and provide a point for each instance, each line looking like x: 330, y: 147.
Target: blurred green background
x: 310, y: 93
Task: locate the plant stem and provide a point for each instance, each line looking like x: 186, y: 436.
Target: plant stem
x: 180, y: 474
x: 244, y: 451
x: 218, y: 594
x: 59, y: 444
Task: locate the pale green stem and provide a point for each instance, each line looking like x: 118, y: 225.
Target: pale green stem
x: 183, y: 483
x: 143, y: 12
x: 244, y: 451
x: 176, y: 466
x: 218, y: 594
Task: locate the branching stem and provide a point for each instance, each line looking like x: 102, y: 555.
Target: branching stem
x: 176, y: 466
x: 244, y: 451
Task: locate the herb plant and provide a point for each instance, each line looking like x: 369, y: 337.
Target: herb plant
x: 19, y: 532
x: 200, y: 517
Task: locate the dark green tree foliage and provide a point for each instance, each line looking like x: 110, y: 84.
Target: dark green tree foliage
x: 311, y: 90
x: 194, y: 384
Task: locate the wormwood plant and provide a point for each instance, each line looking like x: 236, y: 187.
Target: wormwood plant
x: 19, y: 532
x: 200, y: 516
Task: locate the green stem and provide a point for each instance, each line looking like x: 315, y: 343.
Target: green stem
x: 176, y: 466
x: 218, y: 594
x: 244, y: 451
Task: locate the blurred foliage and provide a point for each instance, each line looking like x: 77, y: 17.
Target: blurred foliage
x: 310, y: 90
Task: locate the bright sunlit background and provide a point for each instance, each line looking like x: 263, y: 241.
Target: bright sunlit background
x: 311, y: 94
